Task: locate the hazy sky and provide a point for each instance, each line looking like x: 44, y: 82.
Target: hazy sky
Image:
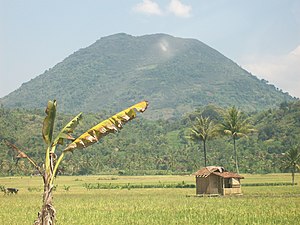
x: 263, y: 36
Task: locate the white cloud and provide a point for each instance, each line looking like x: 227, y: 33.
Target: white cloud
x: 148, y: 7
x: 283, y: 71
x: 179, y: 9
x: 175, y: 7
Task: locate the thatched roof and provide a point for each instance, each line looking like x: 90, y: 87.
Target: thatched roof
x: 218, y: 171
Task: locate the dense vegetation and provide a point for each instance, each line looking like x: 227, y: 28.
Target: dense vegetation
x: 176, y: 75
x: 154, y: 147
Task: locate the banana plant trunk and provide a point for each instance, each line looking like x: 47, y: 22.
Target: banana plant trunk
x: 47, y: 214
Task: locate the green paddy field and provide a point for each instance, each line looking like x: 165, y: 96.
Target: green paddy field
x: 76, y: 204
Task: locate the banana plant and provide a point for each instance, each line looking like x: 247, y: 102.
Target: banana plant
x: 113, y: 124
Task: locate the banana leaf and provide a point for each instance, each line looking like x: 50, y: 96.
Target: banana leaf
x: 48, y: 123
x: 110, y: 125
x: 65, y: 133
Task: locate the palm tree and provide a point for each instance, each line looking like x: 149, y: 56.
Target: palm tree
x: 292, y: 161
x: 236, y: 126
x: 202, y: 130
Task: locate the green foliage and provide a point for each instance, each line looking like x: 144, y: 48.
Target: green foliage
x: 155, y: 147
x: 48, y: 124
x: 203, y: 130
x: 291, y: 161
x: 65, y: 133
x: 292, y: 158
x: 235, y: 125
x: 269, y: 184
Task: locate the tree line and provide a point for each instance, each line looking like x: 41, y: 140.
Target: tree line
x: 163, y: 146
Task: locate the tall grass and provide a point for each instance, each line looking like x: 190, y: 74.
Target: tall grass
x: 258, y: 205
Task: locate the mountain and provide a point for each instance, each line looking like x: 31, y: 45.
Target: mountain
x: 175, y: 75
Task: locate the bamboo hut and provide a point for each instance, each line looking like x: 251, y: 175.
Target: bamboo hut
x: 215, y: 180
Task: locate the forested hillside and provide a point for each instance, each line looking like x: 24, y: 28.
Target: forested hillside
x: 176, y: 75
x: 153, y: 147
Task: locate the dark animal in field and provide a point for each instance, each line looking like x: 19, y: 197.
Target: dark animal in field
x: 8, y: 191
x: 12, y: 190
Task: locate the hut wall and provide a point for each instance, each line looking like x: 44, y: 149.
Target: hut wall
x: 201, y: 185
x: 213, y: 186
x: 209, y: 185
x: 232, y: 191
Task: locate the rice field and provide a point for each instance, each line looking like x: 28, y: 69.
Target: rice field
x: 77, y: 205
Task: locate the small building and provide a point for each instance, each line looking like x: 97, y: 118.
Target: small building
x: 216, y: 180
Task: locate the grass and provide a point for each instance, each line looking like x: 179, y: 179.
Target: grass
x: 77, y: 205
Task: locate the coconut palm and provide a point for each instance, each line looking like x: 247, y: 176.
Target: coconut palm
x: 235, y: 125
x: 291, y: 161
x: 203, y: 130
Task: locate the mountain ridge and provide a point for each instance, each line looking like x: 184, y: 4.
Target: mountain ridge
x: 176, y: 75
